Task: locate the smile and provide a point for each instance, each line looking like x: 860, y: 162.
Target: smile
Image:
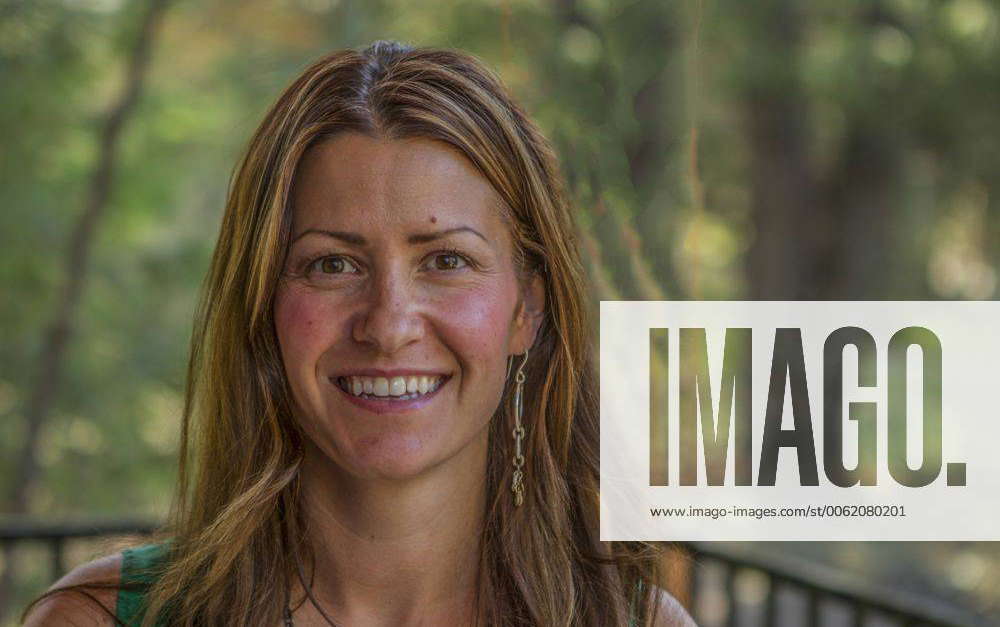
x: 391, y: 388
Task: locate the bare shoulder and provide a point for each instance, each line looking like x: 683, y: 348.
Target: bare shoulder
x: 670, y: 613
x: 75, y: 609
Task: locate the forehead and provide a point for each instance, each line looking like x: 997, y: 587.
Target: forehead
x: 354, y: 176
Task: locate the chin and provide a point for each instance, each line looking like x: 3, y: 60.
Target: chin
x: 395, y: 457
x: 397, y: 450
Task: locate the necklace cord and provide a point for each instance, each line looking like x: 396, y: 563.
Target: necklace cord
x: 308, y: 590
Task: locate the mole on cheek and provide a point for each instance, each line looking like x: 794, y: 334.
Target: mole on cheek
x: 433, y: 219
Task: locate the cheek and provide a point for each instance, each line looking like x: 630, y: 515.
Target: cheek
x: 299, y: 323
x: 481, y: 322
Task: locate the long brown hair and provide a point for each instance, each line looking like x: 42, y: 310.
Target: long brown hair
x: 237, y: 520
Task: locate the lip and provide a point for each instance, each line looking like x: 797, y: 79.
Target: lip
x: 398, y: 372
x: 380, y: 406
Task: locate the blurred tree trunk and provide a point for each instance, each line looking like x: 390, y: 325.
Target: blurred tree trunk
x: 993, y: 236
x: 788, y: 223
x: 651, y: 44
x: 657, y: 109
x: 822, y: 236
x: 863, y: 198
x: 45, y: 390
x: 862, y: 189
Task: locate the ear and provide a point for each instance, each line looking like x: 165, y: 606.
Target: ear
x: 529, y: 316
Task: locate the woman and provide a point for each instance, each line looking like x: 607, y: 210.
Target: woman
x: 391, y: 414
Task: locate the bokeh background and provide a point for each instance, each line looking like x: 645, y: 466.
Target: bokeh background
x: 775, y: 149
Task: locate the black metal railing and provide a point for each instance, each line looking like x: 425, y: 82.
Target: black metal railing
x: 805, y: 594
x: 825, y: 597
x: 56, y: 535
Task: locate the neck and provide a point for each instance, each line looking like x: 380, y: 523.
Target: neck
x: 394, y: 551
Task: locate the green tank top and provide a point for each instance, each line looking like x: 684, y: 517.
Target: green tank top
x: 140, y: 567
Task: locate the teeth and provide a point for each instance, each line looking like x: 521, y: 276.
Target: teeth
x: 409, y: 387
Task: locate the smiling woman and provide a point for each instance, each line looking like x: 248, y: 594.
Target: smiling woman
x: 356, y: 450
x: 401, y: 276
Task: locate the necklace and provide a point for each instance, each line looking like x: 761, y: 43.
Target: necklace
x: 287, y: 619
x: 288, y: 622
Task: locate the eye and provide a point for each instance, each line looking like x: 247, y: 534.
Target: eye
x: 448, y: 260
x: 333, y: 264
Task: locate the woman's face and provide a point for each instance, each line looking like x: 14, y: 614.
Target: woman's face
x: 399, y: 305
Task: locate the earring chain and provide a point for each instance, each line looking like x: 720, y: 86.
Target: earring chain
x: 517, y: 481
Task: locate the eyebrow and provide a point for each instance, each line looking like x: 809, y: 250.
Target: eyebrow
x: 416, y: 238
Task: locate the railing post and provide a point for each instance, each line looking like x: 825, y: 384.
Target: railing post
x: 58, y: 561
x: 730, y: 595
x: 813, y: 607
x: 771, y: 605
x: 860, y: 615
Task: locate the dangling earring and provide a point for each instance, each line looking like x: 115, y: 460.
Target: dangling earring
x: 517, y: 481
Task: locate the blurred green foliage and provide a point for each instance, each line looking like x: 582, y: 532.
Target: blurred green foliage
x: 714, y: 149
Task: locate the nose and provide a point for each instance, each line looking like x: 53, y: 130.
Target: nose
x: 388, y: 320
